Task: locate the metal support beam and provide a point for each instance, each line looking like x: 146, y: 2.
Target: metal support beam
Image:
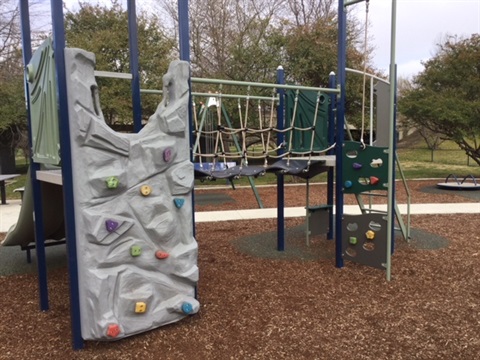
x: 391, y: 146
x: 353, y: 2
x: 37, y: 199
x: 134, y: 65
x: 280, y: 177
x: 340, y: 132
x: 68, y: 191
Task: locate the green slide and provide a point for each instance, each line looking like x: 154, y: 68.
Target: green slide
x: 22, y: 233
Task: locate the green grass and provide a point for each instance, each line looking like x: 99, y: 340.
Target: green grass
x: 417, y: 161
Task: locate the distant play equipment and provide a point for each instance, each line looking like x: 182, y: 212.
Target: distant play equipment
x: 467, y: 183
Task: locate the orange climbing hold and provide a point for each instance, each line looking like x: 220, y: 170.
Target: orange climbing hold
x: 161, y: 255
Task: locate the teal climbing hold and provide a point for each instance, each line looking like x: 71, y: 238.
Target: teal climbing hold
x: 348, y: 184
x: 179, y: 202
x: 187, y: 308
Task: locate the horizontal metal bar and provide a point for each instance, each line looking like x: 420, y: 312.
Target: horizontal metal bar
x: 264, y: 85
x: 151, y: 91
x: 112, y: 74
x: 229, y: 96
x: 367, y: 74
x: 352, y: 2
x: 232, y: 96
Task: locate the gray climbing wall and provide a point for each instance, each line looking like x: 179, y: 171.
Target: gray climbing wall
x: 137, y: 257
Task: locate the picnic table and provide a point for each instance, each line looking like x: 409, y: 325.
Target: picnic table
x: 3, y: 179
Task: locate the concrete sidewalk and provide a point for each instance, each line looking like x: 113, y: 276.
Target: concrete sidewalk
x: 9, y: 213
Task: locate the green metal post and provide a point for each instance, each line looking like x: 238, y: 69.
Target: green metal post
x: 391, y: 142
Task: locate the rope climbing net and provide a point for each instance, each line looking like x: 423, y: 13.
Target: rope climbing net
x: 244, y: 122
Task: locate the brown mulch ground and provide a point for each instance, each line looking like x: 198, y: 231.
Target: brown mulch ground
x: 258, y: 308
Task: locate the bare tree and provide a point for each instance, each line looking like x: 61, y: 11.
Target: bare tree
x: 308, y: 12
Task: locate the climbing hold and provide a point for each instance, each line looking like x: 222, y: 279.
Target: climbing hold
x: 376, y: 163
x: 135, y: 250
x: 348, y: 184
x: 357, y: 166
x: 161, y: 254
x: 113, y: 330
x: 111, y: 225
x: 140, y: 307
x: 167, y: 154
x: 179, y: 202
x: 370, y: 235
x: 112, y: 182
x: 374, y: 180
x: 187, y: 308
x: 353, y: 240
x: 145, y: 190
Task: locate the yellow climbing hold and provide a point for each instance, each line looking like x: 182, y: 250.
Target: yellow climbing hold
x: 145, y: 190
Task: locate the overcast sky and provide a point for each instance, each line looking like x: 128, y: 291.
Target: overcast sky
x: 420, y: 25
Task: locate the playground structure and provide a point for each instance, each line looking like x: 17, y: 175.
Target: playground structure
x: 104, y: 177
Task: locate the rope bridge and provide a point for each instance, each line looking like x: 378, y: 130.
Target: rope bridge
x: 254, y: 134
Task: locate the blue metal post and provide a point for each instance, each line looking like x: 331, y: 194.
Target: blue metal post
x: 340, y: 133
x: 68, y: 191
x: 184, y: 46
x: 36, y: 186
x: 134, y: 67
x: 183, y: 30
x: 331, y: 138
x: 280, y: 179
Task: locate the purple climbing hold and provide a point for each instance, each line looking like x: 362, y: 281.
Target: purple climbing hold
x: 167, y: 154
x: 111, y: 225
x: 357, y: 166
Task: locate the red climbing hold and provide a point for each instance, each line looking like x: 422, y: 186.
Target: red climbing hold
x: 161, y: 255
x: 374, y: 180
x: 113, y: 330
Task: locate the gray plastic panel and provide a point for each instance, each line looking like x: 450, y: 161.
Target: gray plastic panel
x: 137, y: 257
x: 382, y: 91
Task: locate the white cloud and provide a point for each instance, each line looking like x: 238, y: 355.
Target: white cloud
x: 409, y: 69
x: 420, y: 25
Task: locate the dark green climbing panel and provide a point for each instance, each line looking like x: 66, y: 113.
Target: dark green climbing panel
x: 305, y: 113
x: 364, y: 168
x: 364, y: 239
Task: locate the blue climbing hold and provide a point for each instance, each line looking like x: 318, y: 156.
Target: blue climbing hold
x: 179, y: 202
x: 111, y: 225
x: 348, y: 184
x: 187, y: 308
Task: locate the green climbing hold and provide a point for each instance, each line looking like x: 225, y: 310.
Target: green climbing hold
x: 135, y: 250
x: 112, y: 182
